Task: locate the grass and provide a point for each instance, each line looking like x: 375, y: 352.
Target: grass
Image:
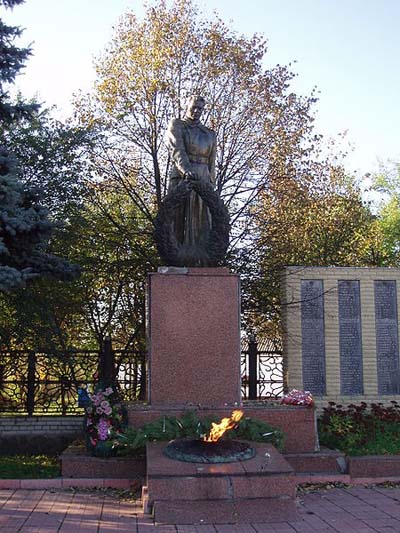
x: 29, y: 467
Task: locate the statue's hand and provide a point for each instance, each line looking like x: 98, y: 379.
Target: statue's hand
x: 191, y: 176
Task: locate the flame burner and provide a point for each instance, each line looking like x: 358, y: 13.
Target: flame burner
x: 200, y: 451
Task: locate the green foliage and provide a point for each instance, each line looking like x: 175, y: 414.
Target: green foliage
x: 319, y: 220
x: 101, y: 231
x: 258, y: 431
x: 387, y: 183
x: 25, y: 228
x: 51, y: 159
x: 361, y: 430
x: 190, y: 426
x: 111, y: 242
x: 29, y: 467
x: 24, y: 232
x: 12, y: 61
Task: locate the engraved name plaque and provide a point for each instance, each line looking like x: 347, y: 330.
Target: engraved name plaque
x: 350, y: 342
x: 387, y: 337
x: 313, y: 336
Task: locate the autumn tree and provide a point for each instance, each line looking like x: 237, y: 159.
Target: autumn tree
x: 143, y: 78
x: 322, y: 221
x: 115, y: 252
x: 287, y: 203
x: 386, y: 182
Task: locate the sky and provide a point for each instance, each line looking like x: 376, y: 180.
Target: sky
x: 348, y: 49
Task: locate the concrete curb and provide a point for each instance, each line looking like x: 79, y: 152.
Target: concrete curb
x: 66, y: 483
x: 344, y: 478
x: 101, y: 483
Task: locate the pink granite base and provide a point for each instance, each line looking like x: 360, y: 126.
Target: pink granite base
x: 372, y: 466
x: 331, y: 461
x: 258, y: 490
x: 259, y: 510
x: 76, y: 462
x: 194, y: 338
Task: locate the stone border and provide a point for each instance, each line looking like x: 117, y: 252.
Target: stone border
x: 374, y: 466
x: 67, y: 483
x: 98, y: 483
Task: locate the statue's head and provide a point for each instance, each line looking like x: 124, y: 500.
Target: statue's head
x: 195, y: 106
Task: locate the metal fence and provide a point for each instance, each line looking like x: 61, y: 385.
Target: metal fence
x: 262, y: 369
x: 48, y: 382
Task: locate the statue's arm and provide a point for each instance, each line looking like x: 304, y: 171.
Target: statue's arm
x: 177, y: 147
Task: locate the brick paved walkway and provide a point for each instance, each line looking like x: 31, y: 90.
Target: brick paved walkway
x: 344, y: 510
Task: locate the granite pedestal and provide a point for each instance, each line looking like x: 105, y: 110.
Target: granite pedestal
x: 261, y: 489
x: 194, y: 337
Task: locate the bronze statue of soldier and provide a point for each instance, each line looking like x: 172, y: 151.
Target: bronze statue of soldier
x: 192, y: 226
x: 193, y: 148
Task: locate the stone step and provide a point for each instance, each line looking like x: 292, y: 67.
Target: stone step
x: 259, y: 489
x: 221, y: 488
x: 374, y: 466
x: 76, y: 462
x: 238, y: 511
x: 324, y: 461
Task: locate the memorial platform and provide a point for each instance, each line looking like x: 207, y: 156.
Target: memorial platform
x: 260, y: 489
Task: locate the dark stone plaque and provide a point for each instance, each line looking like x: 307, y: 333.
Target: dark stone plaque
x: 387, y: 337
x: 313, y: 336
x: 350, y: 342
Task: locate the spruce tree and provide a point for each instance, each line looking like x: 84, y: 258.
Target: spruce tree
x: 25, y: 228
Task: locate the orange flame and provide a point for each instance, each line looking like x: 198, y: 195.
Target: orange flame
x: 217, y: 430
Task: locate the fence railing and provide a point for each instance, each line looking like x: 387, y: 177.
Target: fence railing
x: 48, y: 382
x: 262, y: 369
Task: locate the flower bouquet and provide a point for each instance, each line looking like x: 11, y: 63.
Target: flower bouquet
x: 105, y: 416
x: 298, y: 397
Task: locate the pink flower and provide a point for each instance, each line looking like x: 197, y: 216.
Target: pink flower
x: 103, y: 429
x: 104, y: 404
x: 298, y: 397
x: 95, y: 399
x: 99, y: 410
x: 108, y: 391
x: 107, y: 410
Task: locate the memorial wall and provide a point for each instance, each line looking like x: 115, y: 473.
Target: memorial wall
x: 341, y: 332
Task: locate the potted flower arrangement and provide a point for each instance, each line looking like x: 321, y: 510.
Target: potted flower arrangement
x: 105, y: 416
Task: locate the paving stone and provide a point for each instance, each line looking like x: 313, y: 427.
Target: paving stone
x: 351, y: 510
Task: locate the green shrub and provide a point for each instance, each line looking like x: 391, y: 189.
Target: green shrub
x: 361, y: 430
x: 133, y: 440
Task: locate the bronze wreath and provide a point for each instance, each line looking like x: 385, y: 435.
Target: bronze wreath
x: 170, y: 250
